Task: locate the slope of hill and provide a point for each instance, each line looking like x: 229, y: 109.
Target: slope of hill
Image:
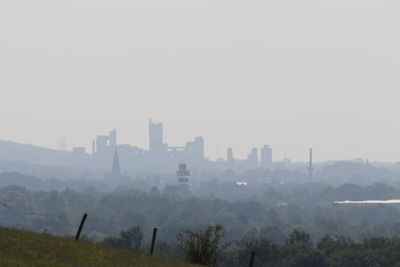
x: 32, y: 154
x: 16, y: 152
x: 21, y: 248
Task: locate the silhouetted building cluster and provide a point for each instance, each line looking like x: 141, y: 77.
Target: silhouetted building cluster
x: 161, y: 157
x: 252, y: 161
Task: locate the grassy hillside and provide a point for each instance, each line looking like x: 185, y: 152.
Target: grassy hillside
x: 20, y: 248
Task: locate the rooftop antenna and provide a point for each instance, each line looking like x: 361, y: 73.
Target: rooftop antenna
x: 310, y: 166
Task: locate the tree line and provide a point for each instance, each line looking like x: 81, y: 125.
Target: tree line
x: 209, y: 246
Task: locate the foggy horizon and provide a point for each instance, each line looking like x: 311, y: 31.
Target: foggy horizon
x: 219, y: 153
x: 207, y: 132
x: 242, y: 74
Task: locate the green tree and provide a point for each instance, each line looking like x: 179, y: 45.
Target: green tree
x: 330, y: 245
x: 203, y: 245
x: 297, y: 236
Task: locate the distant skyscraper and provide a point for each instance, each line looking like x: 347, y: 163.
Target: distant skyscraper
x: 116, y: 168
x: 266, y: 157
x: 156, y: 137
x: 194, y: 151
x: 105, y: 143
x: 113, y: 139
x: 252, y: 159
x: 93, y: 147
x: 101, y: 144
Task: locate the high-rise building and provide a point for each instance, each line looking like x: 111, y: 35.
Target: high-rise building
x: 266, y: 157
x: 112, y: 140
x: 252, y: 159
x: 93, y: 147
x: 194, y: 151
x: 156, y: 145
x: 105, y: 143
x: 101, y: 144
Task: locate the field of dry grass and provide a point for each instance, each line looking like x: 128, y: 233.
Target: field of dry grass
x: 21, y: 248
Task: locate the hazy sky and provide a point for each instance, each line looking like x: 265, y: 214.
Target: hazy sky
x: 244, y: 73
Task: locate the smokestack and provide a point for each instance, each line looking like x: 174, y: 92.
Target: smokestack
x: 310, y: 166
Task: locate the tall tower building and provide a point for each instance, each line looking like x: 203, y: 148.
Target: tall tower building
x: 93, y: 147
x: 101, y: 144
x: 155, y: 137
x: 199, y: 147
x: 105, y: 144
x: 194, y: 151
x: 113, y: 139
x: 252, y: 159
x: 266, y: 157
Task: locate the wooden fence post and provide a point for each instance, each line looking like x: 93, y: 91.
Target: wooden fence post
x: 252, y: 259
x: 78, y: 234
x: 153, y: 241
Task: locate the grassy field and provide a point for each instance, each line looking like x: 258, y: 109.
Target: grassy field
x: 20, y: 248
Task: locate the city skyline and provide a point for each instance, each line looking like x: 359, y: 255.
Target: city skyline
x: 321, y: 74
x: 160, y: 156
x: 63, y: 144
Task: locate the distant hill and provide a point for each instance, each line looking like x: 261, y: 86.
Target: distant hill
x: 11, y: 151
x: 33, y: 154
x: 21, y: 248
